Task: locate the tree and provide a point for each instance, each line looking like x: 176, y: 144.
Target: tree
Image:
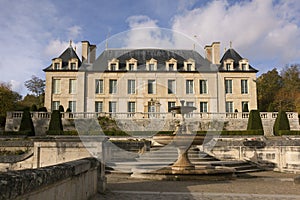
x: 35, y: 85
x: 8, y: 99
x: 268, y: 84
x: 287, y: 97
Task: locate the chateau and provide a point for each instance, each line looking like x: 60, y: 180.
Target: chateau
x: 150, y: 80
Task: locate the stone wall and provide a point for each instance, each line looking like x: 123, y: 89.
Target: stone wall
x: 280, y: 154
x: 80, y: 179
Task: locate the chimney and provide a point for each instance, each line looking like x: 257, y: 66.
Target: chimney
x: 88, y: 52
x: 212, y: 52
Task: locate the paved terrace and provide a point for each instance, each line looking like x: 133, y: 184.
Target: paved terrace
x: 254, y: 186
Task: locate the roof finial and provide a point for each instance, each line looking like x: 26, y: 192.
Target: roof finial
x: 70, y: 43
x: 225, y: 49
x: 230, y: 43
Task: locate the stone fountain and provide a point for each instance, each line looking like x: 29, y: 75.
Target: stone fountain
x: 183, y: 139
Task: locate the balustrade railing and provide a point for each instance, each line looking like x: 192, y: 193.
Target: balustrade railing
x: 149, y: 115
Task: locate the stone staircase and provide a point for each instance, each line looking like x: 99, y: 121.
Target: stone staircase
x: 160, y: 157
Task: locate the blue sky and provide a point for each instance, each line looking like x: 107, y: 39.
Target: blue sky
x: 33, y: 32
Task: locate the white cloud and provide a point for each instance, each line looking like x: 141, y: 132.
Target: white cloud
x: 263, y: 31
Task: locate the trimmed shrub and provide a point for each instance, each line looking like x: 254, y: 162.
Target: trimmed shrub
x: 68, y: 110
x: 281, y: 123
x: 254, y: 121
x: 42, y: 109
x: 27, y: 124
x: 2, y: 121
x: 61, y: 108
x: 33, y: 108
x: 288, y: 132
x: 55, y: 125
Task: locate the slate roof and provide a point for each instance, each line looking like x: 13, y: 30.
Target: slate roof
x: 68, y: 54
x: 232, y: 54
x: 143, y: 55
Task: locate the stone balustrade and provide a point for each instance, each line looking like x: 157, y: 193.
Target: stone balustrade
x: 143, y: 115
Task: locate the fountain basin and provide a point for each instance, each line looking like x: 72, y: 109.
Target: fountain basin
x: 180, y: 139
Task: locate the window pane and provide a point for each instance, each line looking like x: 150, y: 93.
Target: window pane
x: 113, y: 67
x: 131, y: 106
x: 56, y: 86
x: 55, y: 105
x: 151, y: 87
x: 203, y: 86
x: 171, y: 87
x: 170, y: 105
x: 151, y: 67
x: 171, y: 67
x: 229, y: 106
x: 228, y: 86
x: 112, y: 106
x: 73, y: 66
x: 203, y: 106
x: 72, y: 86
x: 245, y: 106
x: 112, y: 86
x: 189, y: 67
x: 131, y: 87
x: 98, y: 106
x: 131, y: 66
x: 99, y: 86
x: 244, y: 86
x: 72, y: 106
x: 189, y: 87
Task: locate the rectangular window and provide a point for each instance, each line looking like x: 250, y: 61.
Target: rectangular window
x: 171, y: 67
x: 131, y: 87
x: 56, y: 66
x: 72, y: 106
x: 189, y: 67
x: 131, y: 66
x: 203, y: 107
x: 171, y: 87
x: 99, y: 106
x: 72, y: 86
x: 245, y: 107
x: 229, y: 106
x: 99, y: 86
x: 112, y: 86
x: 73, y: 66
x: 244, y: 66
x: 113, y: 66
x: 112, y: 107
x: 189, y: 87
x: 151, y: 87
x: 189, y: 103
x: 55, y: 105
x: 170, y: 105
x: 151, y: 67
x: 56, y: 86
x: 228, y: 86
x: 203, y: 86
x: 131, y: 107
x: 228, y: 66
x: 244, y: 86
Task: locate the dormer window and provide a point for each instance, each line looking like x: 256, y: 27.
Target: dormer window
x: 73, y: 64
x: 113, y: 65
x: 228, y: 65
x: 189, y: 65
x: 57, y: 63
x: 171, y: 65
x: 151, y: 65
x: 244, y: 65
x: 131, y: 65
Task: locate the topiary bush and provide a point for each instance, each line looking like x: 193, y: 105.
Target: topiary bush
x: 33, y: 108
x: 27, y: 124
x: 55, y: 125
x: 281, y: 123
x: 254, y: 121
x: 42, y: 109
x: 61, y: 108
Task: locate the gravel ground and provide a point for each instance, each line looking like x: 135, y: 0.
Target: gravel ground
x: 259, y: 185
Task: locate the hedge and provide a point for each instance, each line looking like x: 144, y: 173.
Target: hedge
x: 288, y: 132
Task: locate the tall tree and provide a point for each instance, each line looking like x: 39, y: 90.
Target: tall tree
x: 35, y: 85
x: 268, y: 84
x: 287, y: 97
x: 8, y: 99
